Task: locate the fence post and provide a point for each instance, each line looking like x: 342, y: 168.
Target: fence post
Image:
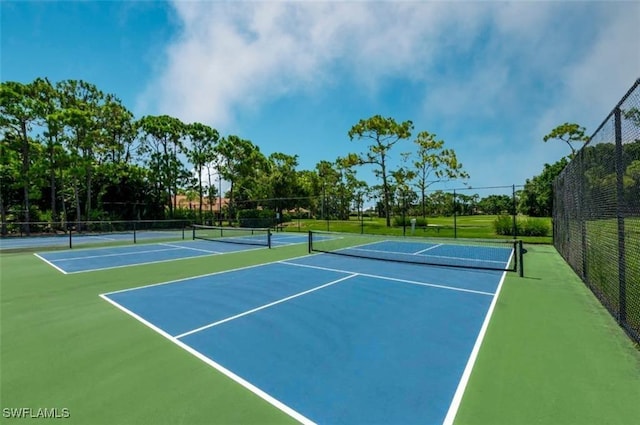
x: 515, y: 212
x: 620, y: 212
x: 582, y: 220
x: 455, y: 219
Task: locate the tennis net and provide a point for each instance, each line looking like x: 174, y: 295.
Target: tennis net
x: 504, y: 255
x: 239, y: 235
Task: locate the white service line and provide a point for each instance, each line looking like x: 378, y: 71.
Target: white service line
x: 115, y: 254
x: 449, y: 257
x: 202, y: 275
x: 188, y: 247
x: 426, y: 249
x: 308, y: 291
x: 102, y: 237
x: 393, y: 279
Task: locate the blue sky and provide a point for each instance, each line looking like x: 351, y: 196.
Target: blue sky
x: 489, y: 78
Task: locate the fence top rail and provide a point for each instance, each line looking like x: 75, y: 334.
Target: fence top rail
x: 97, y: 221
x: 624, y: 98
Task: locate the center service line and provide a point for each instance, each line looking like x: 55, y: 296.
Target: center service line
x: 219, y: 322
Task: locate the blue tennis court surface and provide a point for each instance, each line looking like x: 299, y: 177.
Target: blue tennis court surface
x: 63, y: 240
x: 85, y: 260
x: 331, y: 339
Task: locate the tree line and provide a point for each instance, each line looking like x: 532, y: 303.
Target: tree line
x: 71, y: 152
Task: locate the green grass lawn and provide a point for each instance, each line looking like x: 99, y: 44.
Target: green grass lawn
x: 552, y: 354
x: 476, y: 226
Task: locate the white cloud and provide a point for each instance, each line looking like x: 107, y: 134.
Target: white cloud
x: 232, y: 55
x: 506, y: 71
x: 595, y: 82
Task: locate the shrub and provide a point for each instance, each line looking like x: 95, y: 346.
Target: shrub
x: 528, y: 226
x: 503, y: 225
x: 534, y: 227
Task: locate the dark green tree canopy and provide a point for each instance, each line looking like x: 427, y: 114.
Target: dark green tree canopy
x: 536, y: 199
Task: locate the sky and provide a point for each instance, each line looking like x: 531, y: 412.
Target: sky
x: 489, y: 78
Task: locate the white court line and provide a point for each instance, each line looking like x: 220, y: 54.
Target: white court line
x: 51, y: 264
x: 202, y: 275
x: 426, y: 249
x: 280, y: 301
x: 412, y: 282
x: 115, y: 254
x: 478, y: 260
x: 464, y: 379
x: 188, y: 247
x: 212, y: 253
x: 298, y: 236
x: 101, y: 237
x: 257, y: 391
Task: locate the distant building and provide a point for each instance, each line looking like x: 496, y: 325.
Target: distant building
x: 184, y: 203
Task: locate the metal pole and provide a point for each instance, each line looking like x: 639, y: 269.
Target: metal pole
x: 404, y: 213
x: 515, y: 224
x: 622, y: 263
x: 361, y: 216
x: 455, y: 219
x: 220, y: 199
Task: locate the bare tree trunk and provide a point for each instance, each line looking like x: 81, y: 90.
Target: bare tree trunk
x: 385, y: 187
x: 52, y: 182
x: 76, y: 194
x: 210, y: 199
x: 64, y: 204
x: 3, y: 215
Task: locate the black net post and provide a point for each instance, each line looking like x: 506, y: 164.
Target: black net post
x: 134, y: 232
x: 520, y: 256
x: 70, y: 228
x: 310, y: 246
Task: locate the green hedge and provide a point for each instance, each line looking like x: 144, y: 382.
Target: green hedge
x: 256, y: 218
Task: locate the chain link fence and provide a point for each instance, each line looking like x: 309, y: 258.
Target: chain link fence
x: 596, y: 212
